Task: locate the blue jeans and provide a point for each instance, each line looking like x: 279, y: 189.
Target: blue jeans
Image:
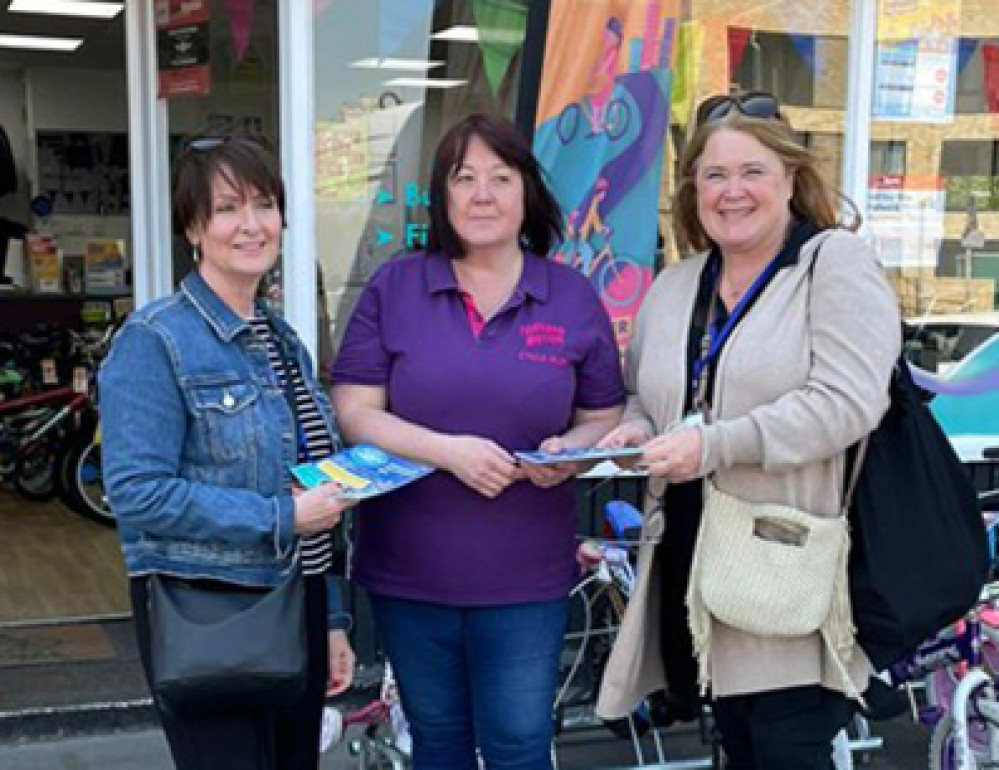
x: 475, y: 676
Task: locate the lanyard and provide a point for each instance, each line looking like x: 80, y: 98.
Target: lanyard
x: 714, y: 339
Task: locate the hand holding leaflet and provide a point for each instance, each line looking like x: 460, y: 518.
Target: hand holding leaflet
x: 360, y: 472
x: 539, y: 457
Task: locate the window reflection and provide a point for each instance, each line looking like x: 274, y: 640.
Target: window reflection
x: 390, y: 77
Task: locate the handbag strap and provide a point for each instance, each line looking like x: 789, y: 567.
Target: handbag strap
x: 860, y: 448
x: 290, y: 367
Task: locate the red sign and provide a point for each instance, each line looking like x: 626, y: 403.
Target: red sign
x: 182, y: 43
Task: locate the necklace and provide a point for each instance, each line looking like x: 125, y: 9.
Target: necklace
x: 732, y: 291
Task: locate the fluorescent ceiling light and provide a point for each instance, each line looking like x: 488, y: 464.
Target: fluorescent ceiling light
x: 414, y: 65
x: 91, y: 10
x: 458, y: 34
x: 424, y: 83
x: 36, y: 43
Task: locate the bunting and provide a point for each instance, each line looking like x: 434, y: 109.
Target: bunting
x: 241, y: 14
x: 502, y: 26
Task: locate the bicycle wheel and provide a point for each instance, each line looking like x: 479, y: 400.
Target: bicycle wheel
x: 82, y: 485
x: 620, y: 281
x: 618, y: 117
x: 567, y: 125
x: 942, y: 754
x: 35, y: 474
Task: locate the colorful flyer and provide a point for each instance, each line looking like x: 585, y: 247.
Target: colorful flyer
x: 575, y: 455
x: 360, y: 472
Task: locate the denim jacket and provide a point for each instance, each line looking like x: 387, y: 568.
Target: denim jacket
x: 198, y: 438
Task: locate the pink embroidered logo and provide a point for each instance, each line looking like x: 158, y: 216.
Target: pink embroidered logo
x: 542, y: 335
x: 538, y: 333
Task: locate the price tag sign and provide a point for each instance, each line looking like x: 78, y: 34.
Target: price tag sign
x: 49, y: 376
x: 80, y: 379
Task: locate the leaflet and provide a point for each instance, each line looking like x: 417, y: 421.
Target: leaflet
x: 361, y: 472
x: 575, y: 455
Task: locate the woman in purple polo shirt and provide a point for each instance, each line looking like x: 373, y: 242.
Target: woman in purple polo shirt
x: 458, y: 357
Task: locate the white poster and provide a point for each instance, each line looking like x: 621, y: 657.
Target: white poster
x: 915, y: 80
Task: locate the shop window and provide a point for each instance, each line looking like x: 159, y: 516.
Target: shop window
x: 390, y: 78
x: 217, y: 65
x: 887, y: 158
x: 969, y: 169
x: 958, y: 260
x: 781, y: 63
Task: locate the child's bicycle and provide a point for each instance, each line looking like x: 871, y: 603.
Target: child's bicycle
x: 961, y: 669
x: 602, y: 594
x: 385, y: 741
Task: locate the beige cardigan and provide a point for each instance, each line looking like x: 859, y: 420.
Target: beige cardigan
x: 803, y: 376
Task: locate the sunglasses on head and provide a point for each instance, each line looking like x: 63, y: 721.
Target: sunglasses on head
x: 208, y: 143
x: 755, y: 104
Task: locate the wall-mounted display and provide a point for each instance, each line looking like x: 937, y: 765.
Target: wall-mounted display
x: 83, y: 173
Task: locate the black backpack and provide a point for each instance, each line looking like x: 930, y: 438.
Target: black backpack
x: 918, y: 558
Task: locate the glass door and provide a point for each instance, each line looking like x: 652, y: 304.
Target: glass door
x: 194, y: 66
x: 389, y: 78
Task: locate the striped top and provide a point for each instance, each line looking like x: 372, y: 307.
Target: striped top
x: 317, y: 549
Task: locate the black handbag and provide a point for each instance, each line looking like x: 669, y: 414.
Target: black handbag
x: 220, y: 645
x: 918, y: 559
x: 216, y: 646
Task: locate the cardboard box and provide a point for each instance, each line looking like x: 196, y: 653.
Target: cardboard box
x: 44, y: 263
x: 105, y: 268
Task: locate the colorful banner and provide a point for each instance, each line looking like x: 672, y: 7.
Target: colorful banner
x: 603, y: 115
x: 182, y: 47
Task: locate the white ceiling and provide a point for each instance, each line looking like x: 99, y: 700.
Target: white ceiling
x: 103, y: 40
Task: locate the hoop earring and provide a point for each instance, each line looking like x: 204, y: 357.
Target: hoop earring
x: 195, y: 253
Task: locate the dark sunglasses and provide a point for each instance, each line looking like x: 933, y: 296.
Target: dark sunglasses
x: 755, y: 104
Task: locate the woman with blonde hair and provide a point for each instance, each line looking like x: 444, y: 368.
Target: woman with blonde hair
x: 756, y: 363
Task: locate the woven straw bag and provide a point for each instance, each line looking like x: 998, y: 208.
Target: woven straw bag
x: 769, y: 570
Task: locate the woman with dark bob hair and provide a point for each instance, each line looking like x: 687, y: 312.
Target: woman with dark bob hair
x: 755, y: 364
x: 198, y: 436
x: 458, y: 357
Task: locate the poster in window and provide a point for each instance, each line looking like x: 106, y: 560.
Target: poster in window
x: 916, y: 79
x: 182, y: 42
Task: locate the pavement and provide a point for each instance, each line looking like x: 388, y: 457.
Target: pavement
x: 905, y: 748
x: 73, y: 697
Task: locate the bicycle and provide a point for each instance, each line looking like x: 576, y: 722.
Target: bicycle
x: 619, y: 280
x: 615, y: 121
x: 81, y: 485
x: 34, y: 430
x: 385, y: 740
x: 603, y: 593
x: 959, y: 667
x: 609, y: 563
x: 966, y: 735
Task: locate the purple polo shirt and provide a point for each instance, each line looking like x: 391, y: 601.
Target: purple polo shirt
x: 549, y: 351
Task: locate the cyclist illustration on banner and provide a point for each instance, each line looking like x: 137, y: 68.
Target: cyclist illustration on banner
x: 602, y: 125
x: 587, y: 247
x: 604, y: 113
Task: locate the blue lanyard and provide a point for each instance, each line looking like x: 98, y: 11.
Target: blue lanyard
x: 714, y: 339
